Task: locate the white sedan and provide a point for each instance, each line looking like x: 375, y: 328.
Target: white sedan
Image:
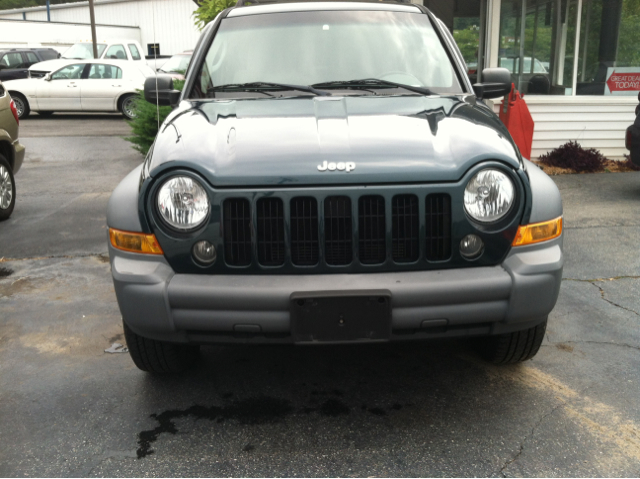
x: 89, y: 85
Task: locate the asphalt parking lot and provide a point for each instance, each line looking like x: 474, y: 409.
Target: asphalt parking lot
x: 68, y: 408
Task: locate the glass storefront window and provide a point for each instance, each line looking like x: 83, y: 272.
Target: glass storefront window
x: 537, y: 43
x: 538, y: 40
x: 609, y: 62
x: 466, y: 22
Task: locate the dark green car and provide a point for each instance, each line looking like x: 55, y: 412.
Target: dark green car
x: 329, y: 175
x: 11, y: 153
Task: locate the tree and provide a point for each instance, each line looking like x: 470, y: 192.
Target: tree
x: 209, y: 9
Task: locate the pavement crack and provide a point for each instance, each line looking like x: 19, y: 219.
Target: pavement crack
x: 528, y: 436
x: 609, y: 343
x: 611, y: 302
x: 613, y: 278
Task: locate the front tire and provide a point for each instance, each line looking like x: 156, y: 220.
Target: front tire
x: 22, y: 105
x: 512, y: 348
x: 128, y: 106
x: 7, y: 189
x: 157, y: 356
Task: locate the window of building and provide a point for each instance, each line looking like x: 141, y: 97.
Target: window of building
x: 571, y: 47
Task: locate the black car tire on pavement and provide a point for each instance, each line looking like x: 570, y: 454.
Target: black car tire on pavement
x: 22, y: 105
x: 513, y: 347
x: 157, y: 356
x: 7, y: 186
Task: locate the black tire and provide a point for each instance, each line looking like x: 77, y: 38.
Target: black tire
x: 157, y: 356
x: 22, y: 105
x: 514, y: 347
x: 45, y: 113
x: 7, y: 189
x: 126, y: 105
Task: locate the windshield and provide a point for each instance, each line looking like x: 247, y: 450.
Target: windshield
x: 83, y: 51
x: 310, y: 48
x: 176, y: 64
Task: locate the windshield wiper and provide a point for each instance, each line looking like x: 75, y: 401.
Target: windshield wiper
x: 367, y: 83
x: 260, y: 86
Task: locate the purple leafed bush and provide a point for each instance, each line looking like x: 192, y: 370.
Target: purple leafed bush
x: 571, y: 155
x: 630, y: 164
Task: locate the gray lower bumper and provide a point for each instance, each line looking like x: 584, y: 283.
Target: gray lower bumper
x: 159, y: 304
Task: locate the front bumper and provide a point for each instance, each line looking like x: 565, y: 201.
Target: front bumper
x: 159, y: 304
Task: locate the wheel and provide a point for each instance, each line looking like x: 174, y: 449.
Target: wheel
x: 513, y: 347
x: 7, y: 189
x: 157, y: 356
x: 22, y: 105
x: 45, y: 113
x: 128, y: 106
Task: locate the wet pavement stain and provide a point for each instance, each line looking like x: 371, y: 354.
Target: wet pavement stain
x: 257, y: 410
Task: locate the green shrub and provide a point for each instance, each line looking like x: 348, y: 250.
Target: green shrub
x: 144, y: 126
x: 208, y: 10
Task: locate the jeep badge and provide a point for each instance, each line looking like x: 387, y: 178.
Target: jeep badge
x: 348, y: 166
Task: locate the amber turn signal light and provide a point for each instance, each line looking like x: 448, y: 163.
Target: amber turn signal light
x: 134, y: 242
x: 538, y: 232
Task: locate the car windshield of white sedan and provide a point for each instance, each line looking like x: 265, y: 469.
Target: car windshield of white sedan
x: 330, y: 50
x: 70, y: 72
x: 83, y: 51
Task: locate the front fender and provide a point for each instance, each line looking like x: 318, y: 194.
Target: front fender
x: 122, y: 209
x: 546, y: 203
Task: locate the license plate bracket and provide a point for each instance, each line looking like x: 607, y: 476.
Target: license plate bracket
x: 337, y: 316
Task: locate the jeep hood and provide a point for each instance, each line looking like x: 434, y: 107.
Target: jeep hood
x: 402, y: 139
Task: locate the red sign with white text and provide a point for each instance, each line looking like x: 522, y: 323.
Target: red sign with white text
x: 623, y: 80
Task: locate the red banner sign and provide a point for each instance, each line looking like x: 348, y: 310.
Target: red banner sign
x: 624, y: 82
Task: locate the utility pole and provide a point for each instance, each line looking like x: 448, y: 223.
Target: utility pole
x: 93, y: 29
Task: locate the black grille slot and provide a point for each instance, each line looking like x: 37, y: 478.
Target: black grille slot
x: 304, y: 231
x: 237, y: 231
x: 438, y: 227
x: 270, y: 231
x: 405, y: 228
x: 371, y: 229
x: 338, y: 248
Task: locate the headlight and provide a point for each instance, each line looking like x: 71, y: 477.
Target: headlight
x: 183, y: 203
x: 489, y: 195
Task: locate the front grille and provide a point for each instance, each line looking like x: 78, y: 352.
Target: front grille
x: 270, y: 231
x: 405, y: 230
x: 305, y: 248
x: 237, y: 232
x: 294, y: 233
x: 338, y: 247
x: 438, y: 227
x: 371, y: 229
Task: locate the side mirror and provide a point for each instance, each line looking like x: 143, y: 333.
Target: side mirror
x: 496, y: 82
x: 47, y: 77
x: 159, y: 89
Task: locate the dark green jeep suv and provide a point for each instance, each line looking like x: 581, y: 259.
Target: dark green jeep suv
x: 330, y: 175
